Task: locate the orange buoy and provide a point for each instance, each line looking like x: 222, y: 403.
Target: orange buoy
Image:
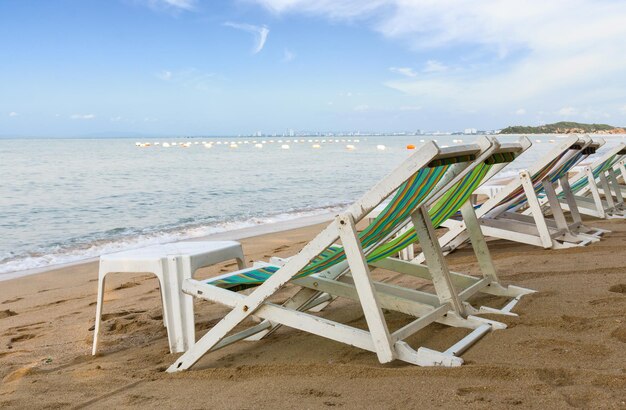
x: 410, y: 146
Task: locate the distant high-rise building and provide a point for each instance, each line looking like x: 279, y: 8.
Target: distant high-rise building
x: 469, y: 131
x: 291, y: 132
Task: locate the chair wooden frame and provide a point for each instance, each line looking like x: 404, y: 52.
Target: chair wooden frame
x: 530, y: 226
x: 352, y: 280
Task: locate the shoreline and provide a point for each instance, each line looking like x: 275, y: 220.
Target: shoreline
x: 232, y: 235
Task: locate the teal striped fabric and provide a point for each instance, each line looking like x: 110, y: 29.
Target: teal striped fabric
x: 582, y: 182
x: 407, y: 198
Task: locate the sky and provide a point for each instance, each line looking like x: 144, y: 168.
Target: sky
x: 200, y: 67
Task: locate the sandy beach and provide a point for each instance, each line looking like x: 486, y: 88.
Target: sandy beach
x: 566, y: 348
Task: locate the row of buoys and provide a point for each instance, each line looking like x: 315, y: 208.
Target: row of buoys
x: 255, y: 142
x: 233, y: 145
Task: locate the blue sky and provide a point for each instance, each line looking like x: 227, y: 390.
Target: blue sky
x: 199, y: 67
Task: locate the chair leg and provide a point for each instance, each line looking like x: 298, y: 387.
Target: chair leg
x: 99, y: 303
x: 173, y: 309
x: 241, y: 261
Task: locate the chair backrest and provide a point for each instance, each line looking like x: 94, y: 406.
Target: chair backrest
x: 606, y: 161
x: 446, y: 182
x: 552, y: 166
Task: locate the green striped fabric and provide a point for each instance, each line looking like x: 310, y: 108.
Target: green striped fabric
x: 551, y: 175
x: 582, y: 182
x: 408, y: 197
x: 517, y: 197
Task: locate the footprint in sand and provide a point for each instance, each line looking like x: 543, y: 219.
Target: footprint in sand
x: 7, y: 313
x: 128, y: 314
x: 619, y: 288
x: 21, y: 338
x: 126, y: 285
x: 620, y: 334
x: 11, y: 300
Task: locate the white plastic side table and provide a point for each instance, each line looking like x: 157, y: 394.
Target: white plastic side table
x: 171, y: 264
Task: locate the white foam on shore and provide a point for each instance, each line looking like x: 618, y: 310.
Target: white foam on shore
x: 23, y: 266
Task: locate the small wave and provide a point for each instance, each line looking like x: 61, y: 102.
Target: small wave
x: 60, y: 255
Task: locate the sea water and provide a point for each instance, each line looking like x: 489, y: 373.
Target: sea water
x: 66, y: 200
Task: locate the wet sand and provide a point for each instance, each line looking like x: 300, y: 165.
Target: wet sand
x: 566, y: 349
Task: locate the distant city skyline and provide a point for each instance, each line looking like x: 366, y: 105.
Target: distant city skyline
x: 198, y: 67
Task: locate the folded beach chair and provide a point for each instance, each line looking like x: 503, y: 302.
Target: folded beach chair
x: 430, y: 186
x: 515, y: 213
x: 591, y: 191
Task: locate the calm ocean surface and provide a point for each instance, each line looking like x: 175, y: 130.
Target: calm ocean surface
x: 64, y: 200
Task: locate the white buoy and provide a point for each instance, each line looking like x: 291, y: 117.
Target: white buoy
x: 157, y: 143
x: 315, y: 146
x: 137, y: 144
x: 233, y: 145
x: 357, y: 140
x: 258, y: 145
x: 166, y: 145
x: 538, y: 141
x: 196, y: 143
x: 350, y: 147
x: 174, y: 144
x: 381, y: 147
x: 284, y: 146
x: 552, y: 141
x: 208, y: 145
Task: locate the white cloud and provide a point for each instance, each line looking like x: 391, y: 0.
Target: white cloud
x: 82, y: 116
x: 406, y: 71
x: 13, y: 114
x: 181, y: 4
x: 505, y: 53
x: 567, y: 111
x: 410, y: 108
x: 362, y: 107
x: 434, y: 66
x: 623, y: 109
x: 288, y: 56
x: 116, y: 119
x: 189, y: 78
x: 520, y: 111
x: 174, y: 5
x: 164, y: 75
x: 260, y: 33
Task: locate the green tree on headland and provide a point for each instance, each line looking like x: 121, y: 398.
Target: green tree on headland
x: 564, y: 127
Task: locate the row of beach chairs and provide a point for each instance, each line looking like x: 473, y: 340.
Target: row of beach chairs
x: 435, y: 187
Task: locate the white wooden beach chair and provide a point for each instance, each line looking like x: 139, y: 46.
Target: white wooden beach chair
x: 429, y: 186
x: 591, y: 190
x: 515, y: 212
